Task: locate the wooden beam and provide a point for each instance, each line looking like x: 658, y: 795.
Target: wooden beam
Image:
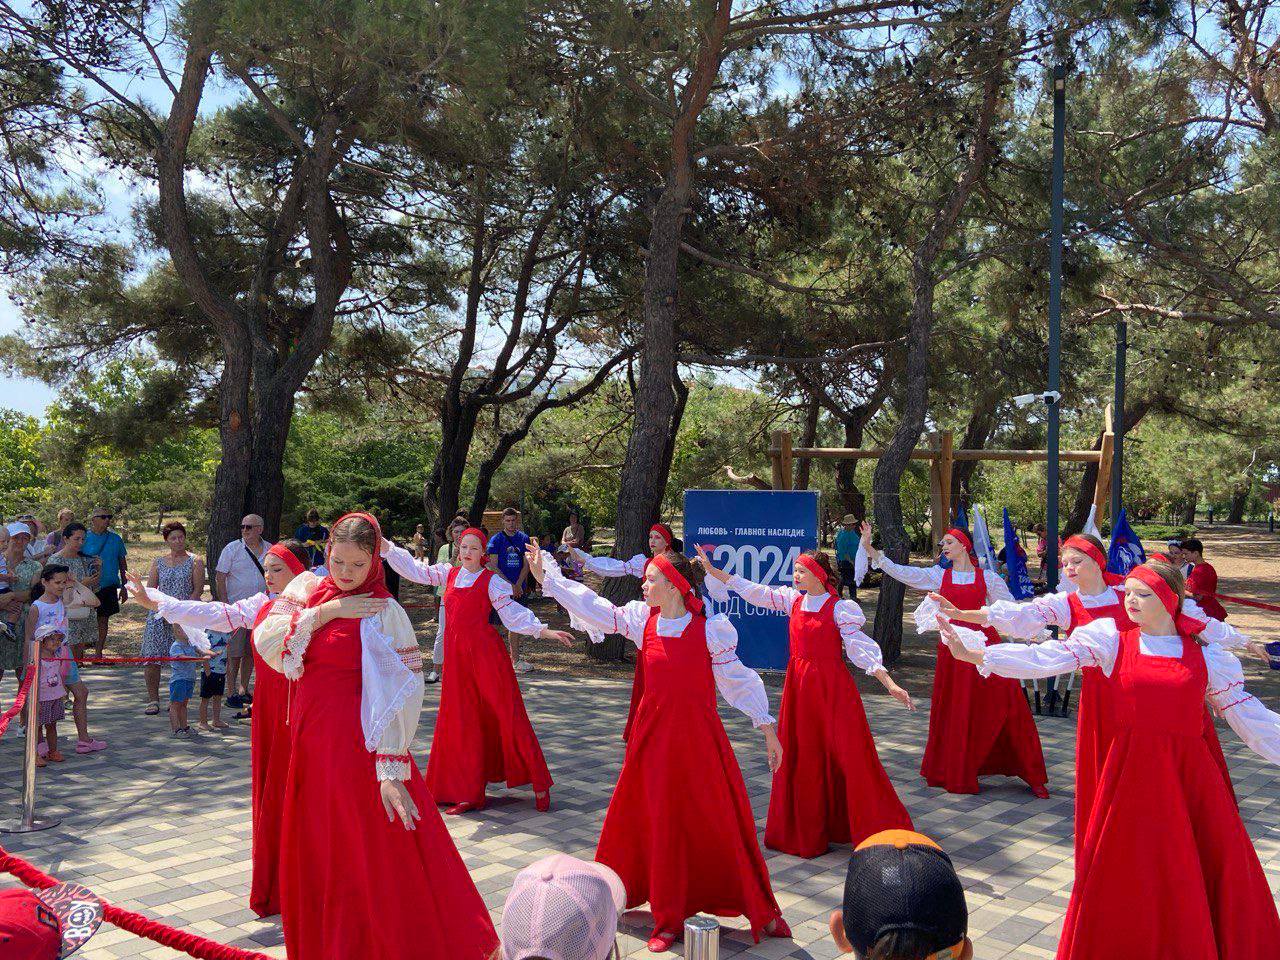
x: 1102, y: 489
x: 1021, y: 456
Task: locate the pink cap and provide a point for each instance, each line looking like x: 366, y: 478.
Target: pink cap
x: 562, y: 908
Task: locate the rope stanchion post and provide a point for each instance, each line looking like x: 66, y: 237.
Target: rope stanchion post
x: 27, y: 821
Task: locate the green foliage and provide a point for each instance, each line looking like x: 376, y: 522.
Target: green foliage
x: 23, y: 473
x: 372, y: 462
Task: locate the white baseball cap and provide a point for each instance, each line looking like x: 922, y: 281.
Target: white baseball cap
x: 18, y: 529
x: 562, y: 908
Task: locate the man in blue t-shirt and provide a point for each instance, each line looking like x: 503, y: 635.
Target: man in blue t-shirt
x: 104, y: 543
x: 847, y: 538
x: 508, y: 557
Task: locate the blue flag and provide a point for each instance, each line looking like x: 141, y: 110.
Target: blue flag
x: 963, y: 524
x: 1015, y: 561
x: 982, y: 544
x: 1126, y: 547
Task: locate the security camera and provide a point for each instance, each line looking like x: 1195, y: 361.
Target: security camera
x: 1026, y: 399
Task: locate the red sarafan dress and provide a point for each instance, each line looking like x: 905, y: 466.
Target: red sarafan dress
x: 269, y: 750
x: 831, y: 787
x: 353, y: 884
x: 1166, y: 868
x: 269, y: 729
x: 1096, y: 723
x: 978, y: 726
x: 483, y: 734
x: 679, y: 830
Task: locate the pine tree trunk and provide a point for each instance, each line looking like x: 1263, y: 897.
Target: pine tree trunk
x: 1189, y: 508
x: 1239, y: 499
x: 235, y: 431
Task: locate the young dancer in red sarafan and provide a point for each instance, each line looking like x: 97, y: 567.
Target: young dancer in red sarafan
x: 831, y: 787
x: 283, y: 565
x: 1098, y: 595
x: 661, y: 540
x: 483, y: 734
x: 367, y: 868
x: 679, y: 829
x: 1166, y: 866
x: 978, y: 726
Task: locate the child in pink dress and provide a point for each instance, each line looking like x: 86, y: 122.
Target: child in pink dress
x: 53, y: 689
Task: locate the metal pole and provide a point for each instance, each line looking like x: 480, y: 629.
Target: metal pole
x: 27, y: 821
x: 1055, y: 314
x: 1117, y: 421
x: 701, y: 939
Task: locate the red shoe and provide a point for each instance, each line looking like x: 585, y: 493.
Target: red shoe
x: 1041, y: 791
x: 542, y: 801
x: 778, y: 929
x: 465, y: 807
x: 661, y: 942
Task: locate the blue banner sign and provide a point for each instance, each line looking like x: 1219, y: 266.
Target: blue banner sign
x: 756, y: 534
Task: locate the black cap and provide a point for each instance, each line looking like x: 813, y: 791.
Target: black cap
x: 899, y: 880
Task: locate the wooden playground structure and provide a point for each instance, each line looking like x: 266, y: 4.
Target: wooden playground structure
x: 942, y: 456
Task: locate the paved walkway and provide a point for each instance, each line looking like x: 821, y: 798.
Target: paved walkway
x: 163, y: 827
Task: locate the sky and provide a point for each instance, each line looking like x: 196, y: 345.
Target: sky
x: 28, y: 396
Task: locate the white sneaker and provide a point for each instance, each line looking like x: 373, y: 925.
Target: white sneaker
x: 523, y: 666
x: 432, y: 677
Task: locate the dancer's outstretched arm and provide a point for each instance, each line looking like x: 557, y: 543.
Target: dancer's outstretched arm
x: 411, y: 568
x: 207, y: 614
x: 1253, y: 723
x: 1093, y: 645
x: 586, y: 606
x: 920, y: 578
x: 611, y: 566
x: 861, y: 650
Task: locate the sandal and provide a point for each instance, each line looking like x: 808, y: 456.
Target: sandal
x: 661, y: 942
x: 152, y: 708
x: 55, y: 756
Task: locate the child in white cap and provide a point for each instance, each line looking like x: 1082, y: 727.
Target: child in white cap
x: 562, y: 908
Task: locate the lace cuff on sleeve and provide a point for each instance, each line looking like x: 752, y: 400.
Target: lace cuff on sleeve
x: 392, y: 767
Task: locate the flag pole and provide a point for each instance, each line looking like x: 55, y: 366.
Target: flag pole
x: 1117, y: 420
x: 1055, y: 315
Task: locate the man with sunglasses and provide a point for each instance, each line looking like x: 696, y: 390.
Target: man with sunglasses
x: 106, y: 545
x: 239, y: 575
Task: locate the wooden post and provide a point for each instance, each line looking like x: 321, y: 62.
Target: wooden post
x: 938, y: 518
x: 785, y: 462
x: 946, y: 461
x: 780, y: 457
x: 1102, y: 489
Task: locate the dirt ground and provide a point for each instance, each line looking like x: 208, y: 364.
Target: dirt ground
x: 1247, y: 559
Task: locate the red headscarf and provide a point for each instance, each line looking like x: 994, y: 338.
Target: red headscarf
x: 665, y: 531
x: 1187, y: 626
x: 287, y: 557
x: 1091, y: 551
x: 374, y: 583
x: 692, y: 602
x: 474, y: 532
x: 966, y: 541
x: 814, y: 567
